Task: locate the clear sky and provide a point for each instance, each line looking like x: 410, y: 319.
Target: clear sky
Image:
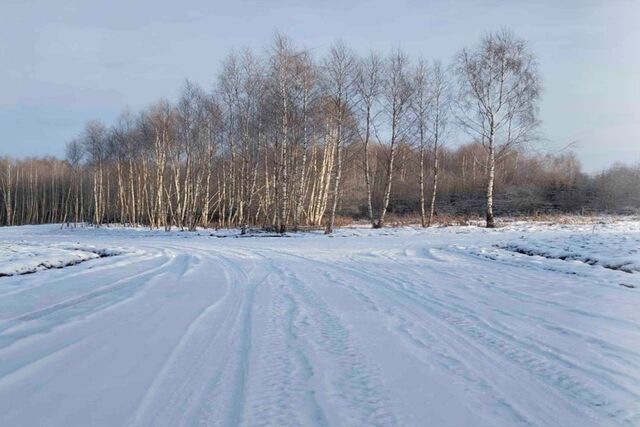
x: 64, y: 62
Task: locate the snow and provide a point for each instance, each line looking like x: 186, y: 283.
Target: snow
x: 527, y: 324
x: 613, y: 251
x: 26, y: 258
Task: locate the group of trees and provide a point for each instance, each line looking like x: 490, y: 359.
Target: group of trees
x: 287, y: 140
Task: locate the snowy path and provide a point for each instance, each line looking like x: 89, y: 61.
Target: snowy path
x: 394, y: 327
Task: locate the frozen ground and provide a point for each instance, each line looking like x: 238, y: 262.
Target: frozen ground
x: 460, y: 326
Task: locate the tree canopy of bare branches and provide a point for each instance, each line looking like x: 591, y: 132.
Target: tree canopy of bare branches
x: 498, y: 89
x: 290, y: 138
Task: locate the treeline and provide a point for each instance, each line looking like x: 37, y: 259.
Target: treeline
x: 49, y: 190
x: 288, y: 140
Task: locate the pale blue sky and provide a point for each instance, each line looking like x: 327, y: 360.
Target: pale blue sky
x: 64, y: 62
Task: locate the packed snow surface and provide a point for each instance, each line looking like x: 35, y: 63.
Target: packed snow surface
x: 527, y: 324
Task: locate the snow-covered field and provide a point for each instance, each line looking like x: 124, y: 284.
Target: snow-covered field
x: 460, y: 326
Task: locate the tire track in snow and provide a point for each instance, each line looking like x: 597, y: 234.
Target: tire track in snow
x: 177, y: 390
x: 204, y: 378
x: 527, y: 297
x: 424, y: 340
x: 627, y: 358
x: 87, y: 304
x: 437, y: 351
x: 282, y: 393
x: 356, y: 386
x: 9, y: 373
x: 544, y: 366
x: 27, y: 283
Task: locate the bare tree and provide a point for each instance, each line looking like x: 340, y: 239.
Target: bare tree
x: 368, y: 86
x: 396, y: 97
x: 338, y: 82
x: 283, y: 70
x: 7, y: 185
x: 498, y: 90
x: 306, y: 88
x: 96, y: 147
x: 421, y: 106
x: 74, y: 155
x: 439, y: 95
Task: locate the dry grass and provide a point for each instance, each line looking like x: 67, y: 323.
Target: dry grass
x: 448, y: 220
x: 343, y: 221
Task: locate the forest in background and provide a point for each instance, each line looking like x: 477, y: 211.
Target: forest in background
x: 286, y: 140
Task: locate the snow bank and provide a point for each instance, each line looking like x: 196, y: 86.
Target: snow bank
x: 26, y: 258
x: 614, y: 246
